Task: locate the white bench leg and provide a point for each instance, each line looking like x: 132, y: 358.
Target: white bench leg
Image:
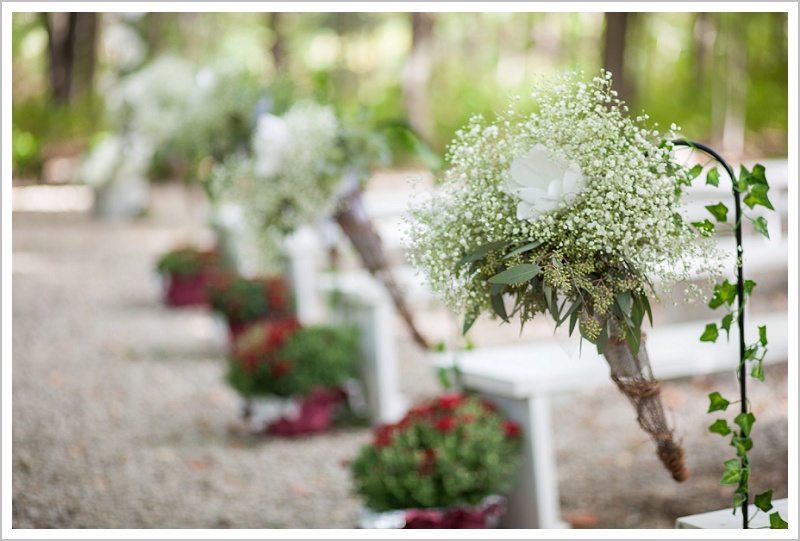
x: 533, y: 503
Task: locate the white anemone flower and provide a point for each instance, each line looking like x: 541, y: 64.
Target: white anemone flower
x: 542, y: 183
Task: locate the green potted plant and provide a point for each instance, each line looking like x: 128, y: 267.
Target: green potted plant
x: 292, y: 377
x: 186, y: 271
x: 446, y: 464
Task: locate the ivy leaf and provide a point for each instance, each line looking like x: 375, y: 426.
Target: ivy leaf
x: 758, y: 196
x: 777, y: 523
x: 695, y: 171
x: 742, y: 445
x: 758, y: 372
x: 745, y: 421
x: 762, y: 335
x: 720, y: 427
x: 733, y: 472
x: 515, y: 275
x: 706, y: 228
x: 710, y: 334
x: 718, y: 211
x: 764, y: 500
x: 726, y: 325
x: 717, y: 402
x: 482, y: 250
x: 748, y: 287
x: 712, y: 177
x: 724, y: 293
x: 525, y: 248
x: 760, y: 225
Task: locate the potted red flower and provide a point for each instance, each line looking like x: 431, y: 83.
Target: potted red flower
x: 185, y: 273
x: 292, y: 377
x: 241, y: 301
x: 446, y: 464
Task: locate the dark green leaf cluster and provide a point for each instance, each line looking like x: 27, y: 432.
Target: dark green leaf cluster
x: 604, y: 295
x: 287, y: 361
x: 455, y: 449
x: 188, y: 261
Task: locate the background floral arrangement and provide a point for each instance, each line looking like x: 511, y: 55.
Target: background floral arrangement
x: 187, y: 261
x: 284, y: 359
x: 241, y: 300
x: 453, y: 450
x: 114, y: 158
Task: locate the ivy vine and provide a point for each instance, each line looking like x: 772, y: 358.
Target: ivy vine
x: 753, y: 186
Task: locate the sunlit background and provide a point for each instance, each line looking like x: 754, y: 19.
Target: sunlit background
x: 724, y: 73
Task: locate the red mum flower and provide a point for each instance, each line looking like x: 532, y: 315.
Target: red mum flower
x: 511, y: 429
x: 383, y: 435
x: 281, y: 367
x: 445, y: 424
x: 450, y: 401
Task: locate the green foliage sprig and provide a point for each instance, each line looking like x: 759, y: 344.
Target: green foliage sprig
x: 188, y: 261
x: 753, y: 186
x: 451, y: 450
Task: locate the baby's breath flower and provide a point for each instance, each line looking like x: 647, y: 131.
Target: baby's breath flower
x: 623, y: 221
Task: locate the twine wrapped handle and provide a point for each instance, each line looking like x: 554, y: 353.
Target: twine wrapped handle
x: 633, y: 376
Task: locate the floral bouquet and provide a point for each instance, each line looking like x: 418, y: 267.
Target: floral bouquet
x: 292, y: 377
x: 241, y: 301
x: 116, y: 169
x: 186, y: 272
x: 307, y: 165
x: 446, y: 464
x: 572, y: 209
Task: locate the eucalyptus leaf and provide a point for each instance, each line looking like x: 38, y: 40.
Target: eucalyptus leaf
x: 602, y: 340
x: 525, y: 248
x: 482, y: 250
x: 499, y: 307
x: 495, y: 289
x: 469, y: 320
x: 624, y: 301
x: 515, y: 275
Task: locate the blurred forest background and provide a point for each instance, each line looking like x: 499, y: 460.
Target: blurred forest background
x: 722, y: 77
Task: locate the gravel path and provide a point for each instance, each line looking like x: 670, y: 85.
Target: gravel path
x: 121, y: 418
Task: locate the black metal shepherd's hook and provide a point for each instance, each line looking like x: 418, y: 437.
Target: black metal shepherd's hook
x: 739, y: 285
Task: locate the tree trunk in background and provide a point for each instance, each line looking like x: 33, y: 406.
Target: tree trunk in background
x: 278, y: 48
x: 417, y: 72
x: 85, y: 52
x: 616, y: 26
x: 61, y: 48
